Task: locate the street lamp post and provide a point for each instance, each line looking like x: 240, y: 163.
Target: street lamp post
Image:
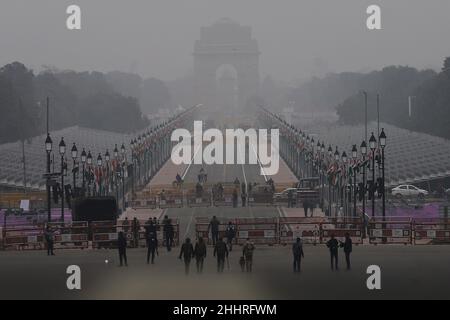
x: 382, y: 139
x: 74, y: 152
x: 363, y: 153
x: 83, y: 162
x: 89, y: 162
x: 330, y: 155
x: 344, y: 188
x: 48, y: 149
x: 122, y: 150
x: 100, y: 173
x: 336, y: 159
x: 354, y: 156
x: 62, y: 151
x: 108, y: 173
x: 373, y: 146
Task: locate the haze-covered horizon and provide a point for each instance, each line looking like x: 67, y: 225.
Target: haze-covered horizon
x: 297, y: 39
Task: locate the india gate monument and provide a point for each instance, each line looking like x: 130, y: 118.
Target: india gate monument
x: 226, y: 65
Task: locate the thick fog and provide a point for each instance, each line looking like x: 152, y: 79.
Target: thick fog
x: 297, y: 38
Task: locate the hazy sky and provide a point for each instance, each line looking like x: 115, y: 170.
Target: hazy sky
x: 297, y: 38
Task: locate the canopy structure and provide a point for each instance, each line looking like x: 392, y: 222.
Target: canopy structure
x: 411, y: 157
x: 11, y: 165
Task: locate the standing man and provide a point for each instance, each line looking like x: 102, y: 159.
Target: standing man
x: 247, y: 252
x: 200, y: 254
x: 230, y: 233
x: 50, y: 239
x: 290, y: 198
x: 214, y: 226
x: 297, y: 251
x: 333, y: 245
x: 152, y: 247
x: 122, y: 246
x: 126, y: 225
x: 136, y: 228
x: 221, y: 252
x: 306, y: 207
x: 187, y: 252
x: 235, y: 198
x: 244, y: 198
x: 348, y: 247
x: 168, y: 233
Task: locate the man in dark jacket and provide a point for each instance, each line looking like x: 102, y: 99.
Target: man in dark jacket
x: 221, y: 252
x: 168, y: 233
x: 230, y: 233
x: 152, y: 247
x: 50, y: 239
x: 247, y: 252
x: 348, y: 247
x: 333, y: 246
x: 136, y: 228
x: 214, y: 227
x: 200, y: 254
x: 187, y: 252
x: 297, y: 251
x: 122, y: 246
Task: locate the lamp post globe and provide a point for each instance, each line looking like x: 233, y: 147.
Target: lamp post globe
x: 372, y: 142
x: 74, y: 151
x: 62, y: 147
x: 48, y: 143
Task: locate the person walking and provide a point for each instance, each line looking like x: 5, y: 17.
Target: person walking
x: 50, y: 239
x: 247, y: 252
x: 347, y: 245
x: 297, y: 251
x: 152, y: 247
x: 168, y: 233
x: 221, y: 252
x: 306, y: 207
x: 230, y: 233
x: 200, y: 254
x: 136, y: 228
x: 235, y: 198
x: 214, y: 227
x: 187, y: 252
x: 126, y: 225
x: 244, y: 198
x: 333, y: 246
x: 122, y: 246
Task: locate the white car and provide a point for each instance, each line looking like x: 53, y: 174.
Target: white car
x: 407, y: 190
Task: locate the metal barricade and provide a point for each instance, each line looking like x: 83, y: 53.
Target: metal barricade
x: 104, y: 234
x: 390, y: 230
x: 309, y: 229
x: 258, y: 230
x: 431, y: 231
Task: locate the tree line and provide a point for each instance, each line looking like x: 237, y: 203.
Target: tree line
x: 113, y: 101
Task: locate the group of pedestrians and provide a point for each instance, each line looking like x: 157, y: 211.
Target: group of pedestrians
x: 333, y: 245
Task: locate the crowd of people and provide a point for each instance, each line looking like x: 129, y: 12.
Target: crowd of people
x: 223, y: 246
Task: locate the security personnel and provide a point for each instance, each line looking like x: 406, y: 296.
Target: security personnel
x: 122, y: 246
x: 200, y: 254
x: 333, y: 246
x: 348, y: 247
x: 214, y: 226
x: 152, y: 247
x: 230, y: 233
x: 50, y: 239
x: 187, y: 252
x: 168, y: 233
x: 221, y: 252
x: 297, y: 251
x: 247, y: 252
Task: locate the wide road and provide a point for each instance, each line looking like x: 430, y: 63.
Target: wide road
x: 226, y: 173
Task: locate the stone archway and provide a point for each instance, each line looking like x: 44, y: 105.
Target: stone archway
x: 225, y: 43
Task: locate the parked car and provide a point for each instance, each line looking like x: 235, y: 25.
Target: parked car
x: 283, y: 195
x: 407, y: 190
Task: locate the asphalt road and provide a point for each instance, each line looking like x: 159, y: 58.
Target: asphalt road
x: 421, y: 272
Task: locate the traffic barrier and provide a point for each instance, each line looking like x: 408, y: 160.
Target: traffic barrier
x: 104, y: 234
x: 150, y: 202
x: 340, y: 227
x: 71, y: 235
x: 173, y: 200
x: 195, y: 200
x: 24, y: 237
x: 260, y: 199
x: 431, y: 231
x: 202, y: 228
x: 258, y: 230
x: 309, y: 229
x: 390, y: 230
